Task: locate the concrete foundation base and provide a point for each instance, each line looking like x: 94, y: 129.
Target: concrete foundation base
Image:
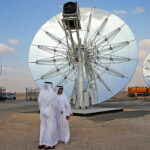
x: 95, y: 111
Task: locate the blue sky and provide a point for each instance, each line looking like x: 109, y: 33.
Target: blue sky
x: 21, y: 19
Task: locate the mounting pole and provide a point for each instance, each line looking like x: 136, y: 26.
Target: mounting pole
x: 80, y: 80
x: 71, y: 25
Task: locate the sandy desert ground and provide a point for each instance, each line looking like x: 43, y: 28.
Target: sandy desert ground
x: 127, y: 130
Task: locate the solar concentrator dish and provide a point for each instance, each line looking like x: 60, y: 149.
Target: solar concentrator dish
x: 109, y: 52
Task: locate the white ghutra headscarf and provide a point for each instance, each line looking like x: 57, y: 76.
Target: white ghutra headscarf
x: 46, y: 96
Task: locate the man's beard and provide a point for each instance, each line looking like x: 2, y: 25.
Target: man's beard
x: 59, y: 92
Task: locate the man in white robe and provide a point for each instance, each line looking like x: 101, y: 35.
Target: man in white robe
x: 63, y: 116
x: 48, y: 126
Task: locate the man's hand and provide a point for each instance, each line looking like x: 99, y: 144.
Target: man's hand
x: 67, y: 117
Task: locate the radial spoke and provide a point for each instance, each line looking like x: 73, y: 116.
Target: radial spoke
x: 99, y: 30
x: 62, y: 27
x: 53, y: 72
x: 108, y: 37
x: 88, y: 29
x: 48, y: 61
x: 147, y: 68
x: 113, y: 59
x: 65, y: 77
x: 102, y: 81
x: 113, y: 47
x: 110, y: 70
x: 50, y: 49
x: 56, y: 39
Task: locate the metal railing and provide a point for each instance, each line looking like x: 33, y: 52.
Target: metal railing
x: 2, y: 91
x: 32, y: 94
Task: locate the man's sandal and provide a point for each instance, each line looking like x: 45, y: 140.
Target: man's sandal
x: 49, y: 147
x: 41, y: 146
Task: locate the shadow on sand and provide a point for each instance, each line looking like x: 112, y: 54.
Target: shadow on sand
x: 118, y: 115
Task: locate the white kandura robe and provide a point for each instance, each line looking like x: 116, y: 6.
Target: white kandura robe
x: 48, y: 126
x: 62, y: 122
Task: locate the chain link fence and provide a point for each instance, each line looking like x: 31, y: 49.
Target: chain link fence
x: 2, y: 91
x: 32, y: 94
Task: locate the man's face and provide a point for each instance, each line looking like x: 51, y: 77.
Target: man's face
x: 60, y: 91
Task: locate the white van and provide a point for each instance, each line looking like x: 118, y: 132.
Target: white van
x: 9, y: 96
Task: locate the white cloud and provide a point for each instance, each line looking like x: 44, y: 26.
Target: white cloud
x: 13, y: 42
x: 5, y: 49
x: 138, y: 10
x: 142, y: 54
x: 139, y: 69
x: 120, y: 12
x: 144, y: 49
x: 145, y: 44
x: 6, y: 69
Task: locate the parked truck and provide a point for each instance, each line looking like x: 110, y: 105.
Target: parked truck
x: 9, y: 96
x: 139, y: 91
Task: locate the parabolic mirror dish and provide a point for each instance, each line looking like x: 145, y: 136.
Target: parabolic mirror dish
x: 146, y: 70
x: 110, y: 54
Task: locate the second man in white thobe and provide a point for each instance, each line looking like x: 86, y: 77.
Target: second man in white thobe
x: 63, y: 116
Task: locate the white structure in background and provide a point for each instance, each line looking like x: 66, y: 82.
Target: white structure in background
x: 2, y: 89
x: 0, y: 67
x: 89, y: 51
x: 146, y: 70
